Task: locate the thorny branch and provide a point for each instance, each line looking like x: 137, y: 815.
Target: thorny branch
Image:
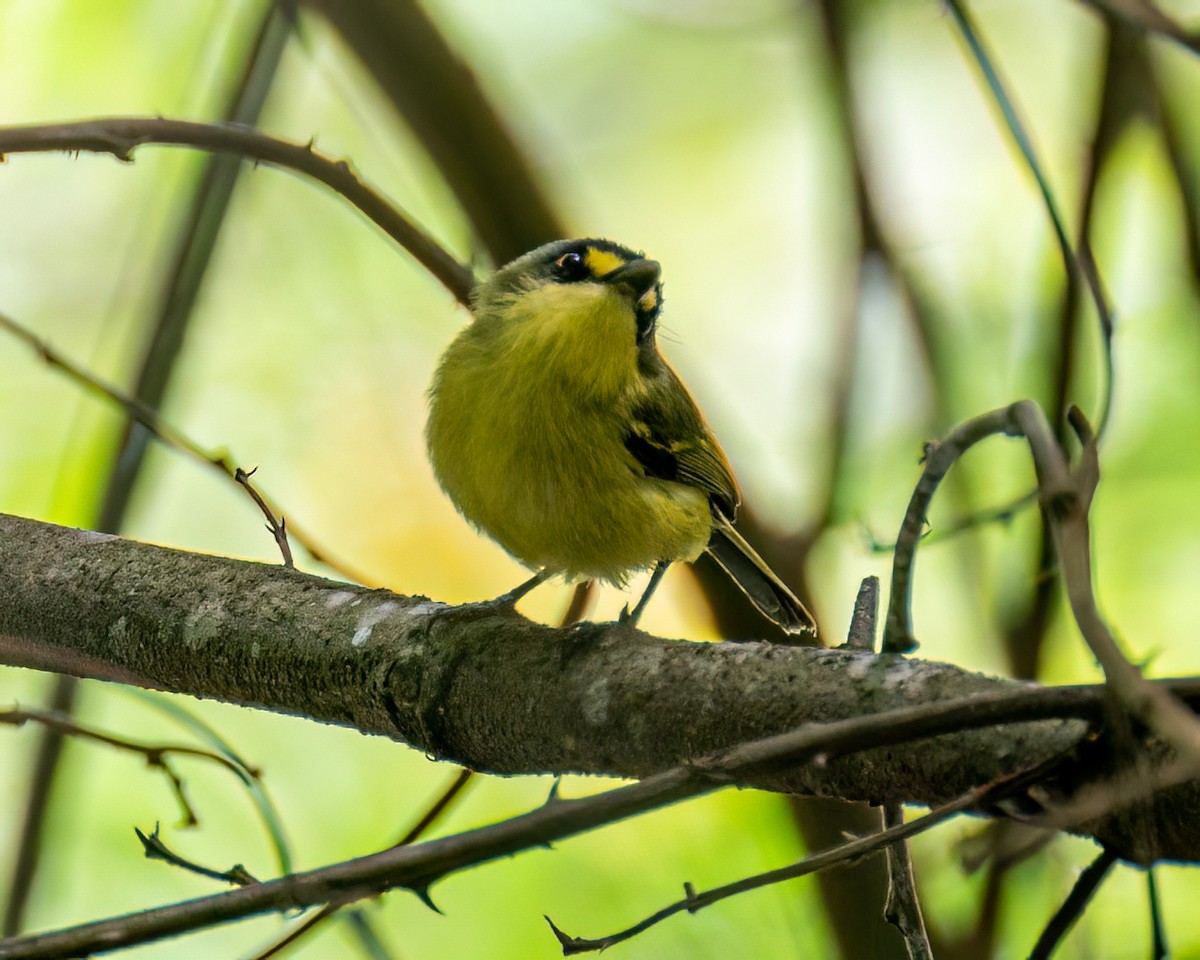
x: 156, y: 849
x: 1066, y: 497
x: 121, y: 136
x: 847, y: 853
x: 166, y: 434
x: 278, y: 527
x: 156, y: 754
x: 418, y: 867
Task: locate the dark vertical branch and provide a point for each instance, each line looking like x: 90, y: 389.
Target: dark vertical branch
x: 1123, y: 82
x: 1186, y: 180
x: 442, y: 101
x: 1072, y: 909
x: 198, y: 236
x: 47, y: 760
x: 901, y: 907
x: 195, y: 245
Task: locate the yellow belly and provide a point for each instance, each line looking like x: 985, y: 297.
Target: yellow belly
x: 551, y: 481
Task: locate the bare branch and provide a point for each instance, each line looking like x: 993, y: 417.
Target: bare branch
x: 156, y: 754
x: 155, y: 849
x: 278, y: 527
x: 418, y: 867
x: 496, y: 692
x: 839, y: 856
x: 1073, y: 907
x: 162, y: 431
x: 939, y: 457
x: 120, y: 136
x: 902, y: 908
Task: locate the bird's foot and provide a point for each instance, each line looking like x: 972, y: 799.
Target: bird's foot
x: 506, y: 602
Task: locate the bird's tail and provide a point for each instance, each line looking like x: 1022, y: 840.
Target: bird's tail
x: 757, y: 581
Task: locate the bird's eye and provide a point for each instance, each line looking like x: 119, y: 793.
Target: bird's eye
x: 570, y: 266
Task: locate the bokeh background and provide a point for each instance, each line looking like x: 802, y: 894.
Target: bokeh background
x: 826, y: 330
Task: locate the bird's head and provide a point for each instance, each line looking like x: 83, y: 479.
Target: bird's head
x: 581, y: 287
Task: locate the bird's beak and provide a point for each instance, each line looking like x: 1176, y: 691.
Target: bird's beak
x: 638, y: 276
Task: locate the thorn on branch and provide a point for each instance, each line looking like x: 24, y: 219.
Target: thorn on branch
x: 422, y: 892
x: 570, y: 945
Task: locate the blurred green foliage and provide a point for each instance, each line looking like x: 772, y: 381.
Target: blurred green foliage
x: 708, y: 133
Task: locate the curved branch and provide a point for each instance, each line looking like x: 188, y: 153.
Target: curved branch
x: 443, y: 101
x: 120, y: 136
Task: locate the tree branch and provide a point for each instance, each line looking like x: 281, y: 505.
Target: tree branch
x: 120, y: 136
x: 502, y: 694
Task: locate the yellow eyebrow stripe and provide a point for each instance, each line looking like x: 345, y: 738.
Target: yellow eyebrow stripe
x: 602, y: 262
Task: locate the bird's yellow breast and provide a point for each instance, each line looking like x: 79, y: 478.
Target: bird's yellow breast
x: 528, y: 416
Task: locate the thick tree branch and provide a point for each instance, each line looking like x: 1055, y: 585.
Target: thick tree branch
x: 502, y: 694
x: 418, y: 867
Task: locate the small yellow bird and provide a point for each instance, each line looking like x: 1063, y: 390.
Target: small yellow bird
x: 558, y: 429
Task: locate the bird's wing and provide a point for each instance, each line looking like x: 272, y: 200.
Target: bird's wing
x: 669, y: 439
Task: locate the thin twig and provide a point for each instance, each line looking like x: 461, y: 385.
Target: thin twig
x: 278, y: 527
x: 163, y: 432
x: 939, y: 457
x: 1073, y: 907
x: 155, y: 754
x: 843, y: 855
x: 155, y: 849
x: 902, y: 908
x: 1079, y: 263
x: 120, y: 136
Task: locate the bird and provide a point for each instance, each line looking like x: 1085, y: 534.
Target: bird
x: 557, y: 427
